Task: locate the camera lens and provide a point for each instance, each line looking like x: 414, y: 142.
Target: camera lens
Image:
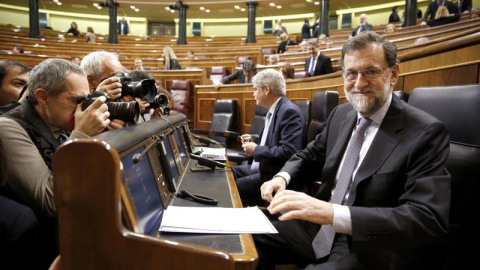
x: 144, y: 89
x: 125, y: 111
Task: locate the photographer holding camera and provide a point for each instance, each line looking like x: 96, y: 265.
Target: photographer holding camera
x: 106, y: 74
x: 32, y: 131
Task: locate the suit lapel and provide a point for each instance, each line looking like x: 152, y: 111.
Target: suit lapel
x: 385, y: 141
x: 273, y: 121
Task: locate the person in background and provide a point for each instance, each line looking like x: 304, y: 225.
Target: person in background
x: 273, y: 59
x: 288, y: 71
x: 283, y: 135
x: 318, y: 63
x: 279, y: 29
x: 443, y: 17
x: 75, y: 59
x: 91, y: 38
x: 138, y: 64
x: 316, y: 28
x: 243, y: 75
x: 122, y: 27
x: 329, y: 43
x: 18, y: 50
x: 394, y: 15
x: 170, y: 60
x: 463, y: 7
x: 364, y: 25
x: 191, y: 55
x: 282, y: 47
x: 433, y: 7
x: 13, y: 78
x: 384, y: 200
x: 73, y: 31
x: 306, y: 30
x: 390, y: 29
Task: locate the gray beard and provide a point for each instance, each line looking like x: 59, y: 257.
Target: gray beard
x: 367, y: 106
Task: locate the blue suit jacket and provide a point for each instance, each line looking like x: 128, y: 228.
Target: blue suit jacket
x: 323, y: 65
x: 126, y: 30
x: 286, y: 136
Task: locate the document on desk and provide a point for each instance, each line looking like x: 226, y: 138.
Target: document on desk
x: 215, y: 220
x: 217, y: 154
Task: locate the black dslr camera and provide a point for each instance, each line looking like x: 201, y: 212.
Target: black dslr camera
x: 144, y: 89
x: 125, y: 111
x: 161, y: 101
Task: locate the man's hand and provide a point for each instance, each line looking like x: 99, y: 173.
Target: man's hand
x: 93, y: 119
x: 423, y: 23
x: 272, y: 187
x: 245, y: 138
x: 298, y: 205
x: 116, y: 124
x: 216, y: 85
x: 111, y: 86
x: 249, y: 148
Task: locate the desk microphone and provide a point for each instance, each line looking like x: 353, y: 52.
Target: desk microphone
x: 138, y: 157
x: 207, y: 162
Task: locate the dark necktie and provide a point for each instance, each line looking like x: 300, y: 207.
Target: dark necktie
x: 322, y: 244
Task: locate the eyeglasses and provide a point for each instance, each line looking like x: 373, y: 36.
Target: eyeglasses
x: 368, y: 74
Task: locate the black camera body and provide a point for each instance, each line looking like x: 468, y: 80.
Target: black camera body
x: 161, y: 101
x: 125, y: 111
x: 144, y: 89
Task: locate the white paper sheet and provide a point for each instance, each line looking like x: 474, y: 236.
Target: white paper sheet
x: 215, y: 220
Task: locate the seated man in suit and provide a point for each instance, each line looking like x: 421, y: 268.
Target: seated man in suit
x: 13, y: 77
x: 32, y: 131
x: 385, y: 195
x: 283, y: 135
x: 364, y: 25
x: 244, y: 75
x: 433, y: 7
x: 317, y: 64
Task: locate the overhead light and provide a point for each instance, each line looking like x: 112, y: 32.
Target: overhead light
x: 317, y: 3
x: 202, y: 8
x: 55, y: 1
x: 59, y: 3
x: 272, y: 4
x: 207, y: 10
x: 279, y: 7
x: 309, y: 1
x: 167, y: 8
x: 95, y: 4
x: 99, y: 7
x: 172, y: 11
x: 236, y: 7
x: 242, y: 9
x: 137, y: 10
x: 132, y: 7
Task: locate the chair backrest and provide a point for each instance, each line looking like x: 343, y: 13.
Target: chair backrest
x: 218, y: 73
x: 402, y: 95
x: 458, y: 108
x: 242, y: 59
x: 304, y: 106
x: 181, y: 96
x: 301, y: 74
x: 258, y: 122
x: 224, y: 119
x: 322, y: 105
x: 268, y: 51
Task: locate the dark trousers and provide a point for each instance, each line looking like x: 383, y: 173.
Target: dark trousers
x: 248, y: 184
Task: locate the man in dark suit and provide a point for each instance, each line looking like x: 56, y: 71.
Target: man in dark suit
x: 432, y: 9
x: 283, y: 135
x: 364, y: 25
x: 122, y: 27
x: 393, y: 196
x: 463, y: 6
x: 243, y: 75
x: 317, y: 64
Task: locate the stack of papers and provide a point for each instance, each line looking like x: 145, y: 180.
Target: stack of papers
x: 215, y: 220
x: 217, y: 154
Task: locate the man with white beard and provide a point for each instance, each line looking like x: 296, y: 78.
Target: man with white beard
x: 385, y: 195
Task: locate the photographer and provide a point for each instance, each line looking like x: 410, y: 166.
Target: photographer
x: 106, y: 74
x: 33, y: 131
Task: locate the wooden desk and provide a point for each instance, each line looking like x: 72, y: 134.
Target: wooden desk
x: 88, y: 191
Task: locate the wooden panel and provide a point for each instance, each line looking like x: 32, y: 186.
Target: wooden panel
x: 444, y: 77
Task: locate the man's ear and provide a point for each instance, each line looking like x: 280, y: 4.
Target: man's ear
x: 268, y: 89
x: 41, y: 96
x: 91, y: 83
x: 395, y: 75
